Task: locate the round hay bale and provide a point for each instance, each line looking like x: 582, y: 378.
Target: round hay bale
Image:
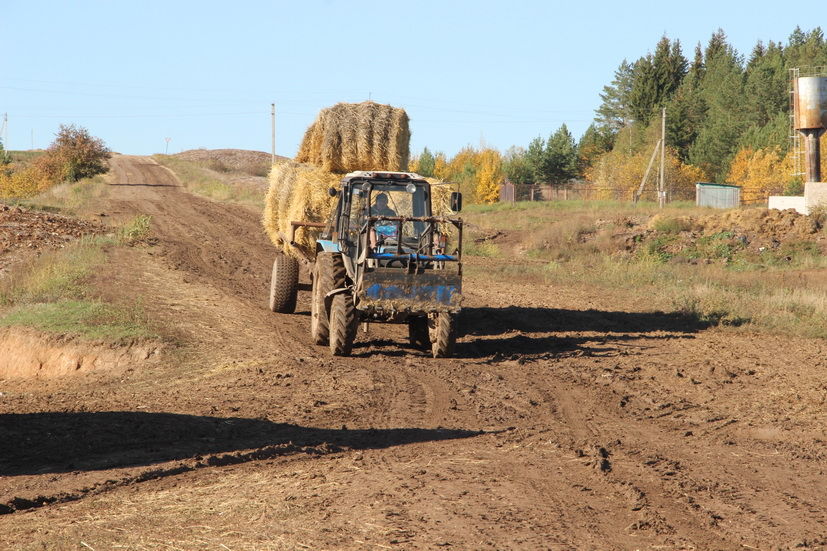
x: 297, y: 192
x: 358, y: 136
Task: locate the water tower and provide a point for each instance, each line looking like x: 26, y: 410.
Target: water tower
x: 811, y: 120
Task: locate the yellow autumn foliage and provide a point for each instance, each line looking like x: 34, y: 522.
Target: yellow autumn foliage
x: 760, y: 173
x: 617, y: 175
x: 26, y: 181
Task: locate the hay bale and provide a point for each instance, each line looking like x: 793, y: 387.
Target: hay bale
x: 357, y: 136
x: 298, y: 192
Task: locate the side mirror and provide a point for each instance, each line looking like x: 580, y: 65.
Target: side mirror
x: 456, y: 201
x: 332, y: 192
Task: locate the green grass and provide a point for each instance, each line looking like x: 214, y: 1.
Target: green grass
x: 53, y: 293
x: 90, y: 319
x: 200, y: 180
x: 135, y: 231
x: 484, y: 249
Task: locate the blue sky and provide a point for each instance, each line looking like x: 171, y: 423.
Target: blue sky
x: 204, y: 73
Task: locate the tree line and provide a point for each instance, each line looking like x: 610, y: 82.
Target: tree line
x: 727, y: 121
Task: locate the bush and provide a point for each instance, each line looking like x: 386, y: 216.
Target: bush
x: 77, y: 153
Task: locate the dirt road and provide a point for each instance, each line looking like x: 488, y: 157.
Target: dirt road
x: 566, y: 421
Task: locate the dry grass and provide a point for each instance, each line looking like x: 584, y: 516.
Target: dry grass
x: 199, y: 178
x: 593, y: 246
x: 357, y: 136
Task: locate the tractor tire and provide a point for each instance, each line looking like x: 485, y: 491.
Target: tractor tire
x: 284, y: 284
x: 343, y: 324
x: 442, y: 330
x: 326, y: 274
x: 418, y: 332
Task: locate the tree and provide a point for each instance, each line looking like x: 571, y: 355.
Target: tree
x: 644, y: 95
x: 722, y: 89
x: 80, y: 154
x: 536, y: 159
x: 760, y: 173
x: 489, y: 175
x: 614, y: 112
x: 516, y: 166
x: 594, y: 143
x: 560, y: 157
x: 426, y: 163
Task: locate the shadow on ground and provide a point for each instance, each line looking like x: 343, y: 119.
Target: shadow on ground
x: 55, y: 442
x: 542, y: 332
x: 498, y: 321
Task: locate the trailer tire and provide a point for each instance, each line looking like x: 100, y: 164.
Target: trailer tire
x: 343, y: 324
x: 418, y: 332
x: 326, y: 273
x: 284, y: 284
x: 442, y: 329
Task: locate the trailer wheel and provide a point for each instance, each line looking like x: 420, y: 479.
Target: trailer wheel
x: 324, y: 281
x: 343, y: 324
x: 284, y: 284
x: 418, y: 332
x: 443, y: 332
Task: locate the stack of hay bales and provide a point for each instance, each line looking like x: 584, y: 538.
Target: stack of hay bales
x: 343, y: 138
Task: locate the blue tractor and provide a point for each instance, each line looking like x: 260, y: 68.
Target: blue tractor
x: 382, y: 256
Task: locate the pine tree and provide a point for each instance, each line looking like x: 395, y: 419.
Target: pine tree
x: 426, y: 163
x: 722, y: 90
x: 536, y: 159
x: 614, y: 112
x: 644, y: 95
x: 560, y: 157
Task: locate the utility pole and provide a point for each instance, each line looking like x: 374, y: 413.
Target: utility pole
x: 661, y: 184
x: 273, y: 129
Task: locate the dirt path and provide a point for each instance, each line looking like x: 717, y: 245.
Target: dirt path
x: 566, y: 421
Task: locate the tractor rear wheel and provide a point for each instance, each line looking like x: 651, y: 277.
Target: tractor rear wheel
x: 343, y: 324
x: 418, y: 332
x: 284, y: 284
x: 442, y: 330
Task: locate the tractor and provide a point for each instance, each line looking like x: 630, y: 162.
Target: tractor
x: 381, y: 257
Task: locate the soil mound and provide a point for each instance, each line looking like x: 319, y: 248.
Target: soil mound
x: 762, y: 223
x: 23, y: 231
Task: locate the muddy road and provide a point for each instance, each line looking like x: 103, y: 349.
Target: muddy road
x: 566, y: 421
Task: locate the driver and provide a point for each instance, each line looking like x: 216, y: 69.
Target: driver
x: 380, y: 206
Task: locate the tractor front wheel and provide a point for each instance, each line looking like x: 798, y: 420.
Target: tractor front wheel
x: 327, y: 273
x: 343, y: 324
x: 442, y: 329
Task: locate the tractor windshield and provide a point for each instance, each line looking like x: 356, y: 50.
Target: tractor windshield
x: 396, y: 200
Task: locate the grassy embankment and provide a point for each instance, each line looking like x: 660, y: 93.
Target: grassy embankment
x: 53, y: 293
x: 623, y: 251
x: 214, y: 180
